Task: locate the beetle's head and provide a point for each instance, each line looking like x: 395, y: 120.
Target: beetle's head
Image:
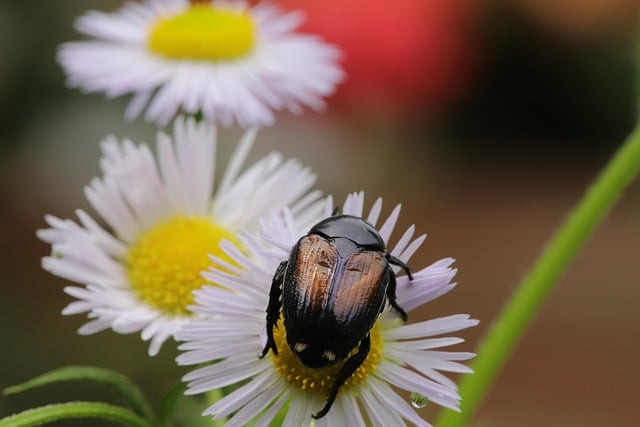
x: 317, y: 355
x: 314, y: 348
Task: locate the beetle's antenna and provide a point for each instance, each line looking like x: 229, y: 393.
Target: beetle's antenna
x: 336, y: 209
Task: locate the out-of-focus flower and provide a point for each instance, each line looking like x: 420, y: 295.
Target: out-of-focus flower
x: 165, y: 217
x: 230, y: 332
x: 228, y: 60
x: 410, y: 56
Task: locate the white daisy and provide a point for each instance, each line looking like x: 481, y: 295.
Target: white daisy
x: 228, y: 60
x: 231, y: 332
x: 165, y: 217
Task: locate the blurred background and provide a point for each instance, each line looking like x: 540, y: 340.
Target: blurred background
x: 485, y: 119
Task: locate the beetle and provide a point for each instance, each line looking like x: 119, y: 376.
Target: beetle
x: 330, y: 291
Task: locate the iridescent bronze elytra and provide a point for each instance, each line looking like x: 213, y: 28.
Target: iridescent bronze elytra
x: 331, y: 291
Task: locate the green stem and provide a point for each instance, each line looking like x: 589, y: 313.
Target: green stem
x: 64, y: 411
x: 531, y: 293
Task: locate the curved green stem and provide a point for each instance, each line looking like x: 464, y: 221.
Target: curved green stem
x: 531, y: 293
x: 63, y: 411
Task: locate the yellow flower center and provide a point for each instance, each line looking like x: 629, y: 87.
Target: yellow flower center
x: 321, y: 380
x: 203, y: 32
x: 165, y: 263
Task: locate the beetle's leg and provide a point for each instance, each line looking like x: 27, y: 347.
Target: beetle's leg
x: 397, y: 261
x: 347, y: 370
x: 273, y: 308
x: 336, y: 209
x: 391, y: 296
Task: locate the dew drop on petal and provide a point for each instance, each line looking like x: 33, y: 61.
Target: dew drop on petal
x: 418, y: 400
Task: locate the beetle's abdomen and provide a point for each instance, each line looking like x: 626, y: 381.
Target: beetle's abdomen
x: 331, y: 295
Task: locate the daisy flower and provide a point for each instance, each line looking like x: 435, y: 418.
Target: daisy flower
x: 231, y: 332
x: 164, y: 216
x: 226, y: 59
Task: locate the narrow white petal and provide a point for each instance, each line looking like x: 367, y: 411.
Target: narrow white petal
x: 108, y: 202
x: 266, y: 419
x: 255, y: 405
x: 374, y: 213
x: 237, y: 160
x: 424, y: 360
x: 437, y: 326
x: 379, y: 412
x: 410, y: 381
x: 170, y: 171
x: 137, y: 104
x: 240, y: 397
x: 395, y: 403
x: 354, y: 204
x: 351, y: 409
x: 94, y: 326
x: 425, y: 344
x: 404, y: 241
x: 388, y: 226
x: 297, y: 416
x: 223, y: 376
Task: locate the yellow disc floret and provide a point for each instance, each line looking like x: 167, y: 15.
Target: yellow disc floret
x: 165, y: 263
x: 321, y: 380
x: 203, y: 32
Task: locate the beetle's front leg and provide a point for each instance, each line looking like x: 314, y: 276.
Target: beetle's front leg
x: 273, y: 308
x: 347, y: 370
x: 391, y: 296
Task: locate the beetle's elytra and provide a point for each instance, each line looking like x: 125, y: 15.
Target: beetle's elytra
x: 331, y: 291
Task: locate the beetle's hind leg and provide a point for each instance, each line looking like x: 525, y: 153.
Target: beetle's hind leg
x: 397, y: 261
x: 273, y: 308
x: 391, y: 296
x: 347, y: 370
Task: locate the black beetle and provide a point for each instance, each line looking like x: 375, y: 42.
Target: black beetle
x: 331, y: 291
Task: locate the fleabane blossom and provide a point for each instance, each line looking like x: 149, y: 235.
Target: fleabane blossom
x: 228, y: 60
x: 158, y: 218
x: 229, y: 336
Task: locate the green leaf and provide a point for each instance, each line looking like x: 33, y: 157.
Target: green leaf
x: 119, y: 382
x: 70, y: 410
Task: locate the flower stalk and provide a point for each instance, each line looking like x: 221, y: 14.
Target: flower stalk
x: 534, y: 288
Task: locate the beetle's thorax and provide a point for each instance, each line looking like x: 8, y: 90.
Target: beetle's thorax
x: 345, y: 247
x: 353, y: 228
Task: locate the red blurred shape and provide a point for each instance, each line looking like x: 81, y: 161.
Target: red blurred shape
x: 400, y: 56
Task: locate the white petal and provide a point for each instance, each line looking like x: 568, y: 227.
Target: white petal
x: 266, y: 418
x: 379, y: 412
x: 410, y: 381
x: 238, y: 398
x: 437, y: 326
x: 388, y: 226
x: 284, y: 70
x: 395, y: 403
x: 138, y: 191
x: 374, y: 213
